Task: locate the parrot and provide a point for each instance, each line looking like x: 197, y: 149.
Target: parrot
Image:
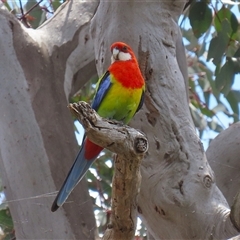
x: 119, y: 95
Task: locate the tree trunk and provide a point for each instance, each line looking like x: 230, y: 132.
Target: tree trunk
x: 179, y: 198
x: 223, y: 156
x: 37, y: 139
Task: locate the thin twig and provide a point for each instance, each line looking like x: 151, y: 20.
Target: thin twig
x: 205, y: 105
x: 35, y: 5
x: 20, y: 3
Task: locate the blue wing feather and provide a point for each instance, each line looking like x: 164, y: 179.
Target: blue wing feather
x: 103, y: 87
x: 81, y: 165
x: 76, y: 173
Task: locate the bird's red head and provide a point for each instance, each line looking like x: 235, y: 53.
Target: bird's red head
x: 121, y: 52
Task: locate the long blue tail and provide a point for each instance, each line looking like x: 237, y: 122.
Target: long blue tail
x: 76, y: 173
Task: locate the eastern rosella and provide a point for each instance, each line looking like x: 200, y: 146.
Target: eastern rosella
x: 119, y: 96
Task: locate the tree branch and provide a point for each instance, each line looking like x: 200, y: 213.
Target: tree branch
x: 130, y: 145
x: 223, y: 155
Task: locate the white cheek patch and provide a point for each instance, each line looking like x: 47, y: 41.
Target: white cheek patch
x: 122, y: 56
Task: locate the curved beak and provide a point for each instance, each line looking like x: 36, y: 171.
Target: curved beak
x: 115, y: 53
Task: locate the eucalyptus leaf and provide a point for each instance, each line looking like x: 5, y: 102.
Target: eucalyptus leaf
x: 198, y: 119
x: 233, y: 99
x: 217, y: 48
x: 219, y: 108
x: 56, y: 4
x: 236, y: 64
x: 213, y: 125
x: 200, y: 16
x: 236, y: 94
x: 35, y: 16
x: 224, y: 79
x: 6, y: 224
x: 224, y: 14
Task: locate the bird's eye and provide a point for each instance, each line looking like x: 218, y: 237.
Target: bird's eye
x: 124, y: 48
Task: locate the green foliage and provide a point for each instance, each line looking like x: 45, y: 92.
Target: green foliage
x: 6, y: 223
x: 56, y: 4
x: 233, y: 98
x: 213, y: 44
x: 34, y: 13
x: 200, y: 16
x: 86, y: 93
x: 224, y: 14
x: 225, y: 77
x: 36, y: 17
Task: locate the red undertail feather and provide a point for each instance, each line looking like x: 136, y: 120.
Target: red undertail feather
x: 91, y: 150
